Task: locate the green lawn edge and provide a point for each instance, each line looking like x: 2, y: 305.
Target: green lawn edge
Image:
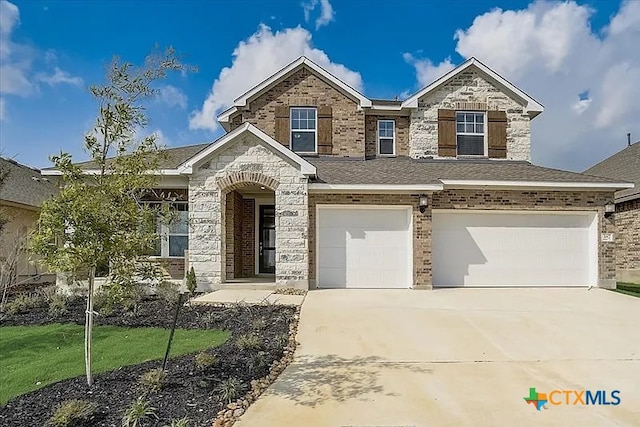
x: 32, y: 357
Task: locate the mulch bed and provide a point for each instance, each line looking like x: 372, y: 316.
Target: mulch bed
x: 188, y: 391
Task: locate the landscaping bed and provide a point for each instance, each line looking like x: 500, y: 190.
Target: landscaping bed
x: 196, y: 386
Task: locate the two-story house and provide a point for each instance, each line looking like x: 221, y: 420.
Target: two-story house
x: 314, y: 185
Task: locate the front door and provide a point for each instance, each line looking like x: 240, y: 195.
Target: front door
x: 267, y: 242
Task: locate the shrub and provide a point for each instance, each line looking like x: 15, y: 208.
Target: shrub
x: 182, y: 422
x: 191, y: 280
x: 258, y: 323
x: 102, y: 301
x: 138, y: 412
x: 205, y: 360
x: 48, y: 292
x: 57, y: 305
x: 248, y: 342
x: 169, y: 292
x: 131, y: 299
x: 23, y: 303
x: 73, y: 412
x: 230, y: 389
x: 153, y: 380
x: 281, y: 340
x: 257, y: 362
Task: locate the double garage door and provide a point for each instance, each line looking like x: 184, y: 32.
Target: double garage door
x: 372, y: 247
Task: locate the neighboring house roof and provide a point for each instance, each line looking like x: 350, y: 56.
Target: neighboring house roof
x: 24, y: 185
x: 624, y: 165
x: 283, y: 73
x: 451, y: 173
x: 532, y: 106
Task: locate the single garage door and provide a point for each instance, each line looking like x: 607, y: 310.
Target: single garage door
x: 504, y: 248
x: 364, y: 247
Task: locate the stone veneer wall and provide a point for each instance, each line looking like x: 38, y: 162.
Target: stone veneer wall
x: 305, y: 89
x: 470, y: 87
x: 627, y: 219
x: 474, y: 199
x: 371, y: 134
x: 421, y: 229
x: 541, y: 200
x: 246, y: 158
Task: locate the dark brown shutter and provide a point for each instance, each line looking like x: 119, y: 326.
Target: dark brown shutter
x: 282, y: 124
x: 325, y: 130
x: 497, y: 134
x: 446, y: 133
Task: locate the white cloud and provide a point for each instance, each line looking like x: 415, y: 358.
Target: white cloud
x: 327, y: 13
x: 255, y: 59
x: 9, y: 16
x: 426, y: 71
x: 550, y: 50
x: 172, y: 96
x: 59, y: 77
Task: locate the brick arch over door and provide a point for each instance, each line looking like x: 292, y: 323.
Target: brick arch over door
x: 236, y: 180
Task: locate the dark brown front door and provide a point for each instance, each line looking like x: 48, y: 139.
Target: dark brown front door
x: 267, y: 242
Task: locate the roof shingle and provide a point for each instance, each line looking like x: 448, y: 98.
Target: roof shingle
x: 25, y: 185
x: 624, y: 165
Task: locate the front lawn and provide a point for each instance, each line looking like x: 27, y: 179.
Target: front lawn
x: 632, y: 289
x: 34, y: 356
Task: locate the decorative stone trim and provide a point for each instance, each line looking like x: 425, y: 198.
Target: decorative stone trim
x: 471, y: 106
x: 233, y: 411
x: 235, y: 180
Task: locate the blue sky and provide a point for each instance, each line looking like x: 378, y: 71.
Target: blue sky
x: 580, y: 60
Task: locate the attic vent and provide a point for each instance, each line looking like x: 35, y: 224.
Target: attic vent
x: 471, y: 106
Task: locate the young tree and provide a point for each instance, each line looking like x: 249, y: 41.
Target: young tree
x: 97, y: 218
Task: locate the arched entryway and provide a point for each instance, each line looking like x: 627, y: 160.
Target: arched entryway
x: 248, y: 227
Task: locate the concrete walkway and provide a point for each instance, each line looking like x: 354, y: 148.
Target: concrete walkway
x: 456, y: 357
x: 249, y: 296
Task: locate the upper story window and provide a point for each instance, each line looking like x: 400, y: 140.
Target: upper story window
x: 386, y: 137
x: 304, y: 130
x: 470, y: 133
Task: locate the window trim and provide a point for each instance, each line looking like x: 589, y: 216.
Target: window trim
x: 164, y: 232
x: 291, y: 130
x: 485, y: 138
x: 393, y: 138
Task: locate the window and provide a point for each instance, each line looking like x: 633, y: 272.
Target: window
x: 386, y: 137
x: 174, y: 235
x: 470, y: 135
x: 304, y: 130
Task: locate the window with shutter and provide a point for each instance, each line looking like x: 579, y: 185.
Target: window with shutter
x: 470, y: 133
x: 304, y: 130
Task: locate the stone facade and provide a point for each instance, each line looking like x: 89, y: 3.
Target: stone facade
x: 468, y: 87
x: 627, y: 219
x: 371, y: 134
x: 305, y: 89
x: 249, y: 160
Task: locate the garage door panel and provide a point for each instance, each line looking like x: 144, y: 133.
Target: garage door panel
x: 513, y: 249
x: 364, y: 247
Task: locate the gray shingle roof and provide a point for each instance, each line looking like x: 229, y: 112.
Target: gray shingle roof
x: 25, y: 185
x: 404, y: 171
x: 624, y: 165
x: 174, y: 157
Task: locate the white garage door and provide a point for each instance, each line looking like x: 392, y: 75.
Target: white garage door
x: 502, y: 248
x: 364, y: 247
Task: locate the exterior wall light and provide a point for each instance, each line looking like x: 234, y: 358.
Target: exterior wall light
x: 424, y: 202
x: 609, y: 209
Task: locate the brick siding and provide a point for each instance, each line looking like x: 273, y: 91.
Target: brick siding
x: 303, y: 88
x: 249, y: 238
x: 627, y: 219
x: 371, y: 134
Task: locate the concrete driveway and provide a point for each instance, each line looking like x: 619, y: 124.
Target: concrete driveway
x: 457, y: 357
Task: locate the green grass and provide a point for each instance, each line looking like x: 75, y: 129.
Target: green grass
x: 34, y: 356
x: 632, y: 289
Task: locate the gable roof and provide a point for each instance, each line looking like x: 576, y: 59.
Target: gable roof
x: 531, y: 105
x: 624, y: 165
x: 186, y: 167
x: 24, y: 185
x: 283, y: 73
